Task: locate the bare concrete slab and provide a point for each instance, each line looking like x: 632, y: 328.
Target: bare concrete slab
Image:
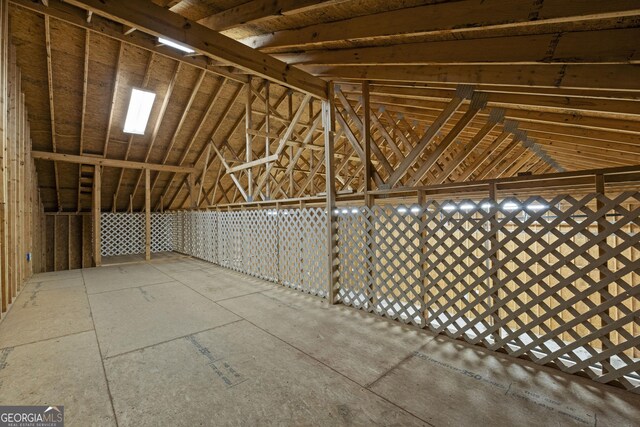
x: 179, y: 265
x: 35, y: 285
x: 239, y: 375
x: 351, y: 342
x: 57, y: 275
x: 133, y: 318
x: 45, y: 314
x: 116, y: 277
x: 448, y: 382
x: 219, y: 285
x: 62, y: 371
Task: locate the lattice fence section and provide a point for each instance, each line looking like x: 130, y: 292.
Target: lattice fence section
x: 196, y: 234
x: 303, y: 249
x: 122, y: 233
x: 162, y: 232
x: 260, y: 243
x: 553, y: 280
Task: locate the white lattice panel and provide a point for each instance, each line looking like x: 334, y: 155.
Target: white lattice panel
x: 122, y: 233
x: 260, y: 243
x: 555, y: 281
x: 162, y: 232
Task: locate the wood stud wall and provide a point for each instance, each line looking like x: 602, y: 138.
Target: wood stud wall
x: 21, y: 210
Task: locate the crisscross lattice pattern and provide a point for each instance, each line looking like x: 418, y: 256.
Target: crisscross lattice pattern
x: 122, y: 233
x: 555, y: 280
x: 285, y: 246
x: 161, y: 232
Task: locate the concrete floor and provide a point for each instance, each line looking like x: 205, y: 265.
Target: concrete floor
x: 183, y: 342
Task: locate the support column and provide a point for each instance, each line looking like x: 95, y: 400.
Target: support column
x: 97, y: 202
x: 192, y: 190
x: 328, y: 123
x: 494, y: 281
x: 147, y: 213
x: 249, y: 155
x: 605, y: 292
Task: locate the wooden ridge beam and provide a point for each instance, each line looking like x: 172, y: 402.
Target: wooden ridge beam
x: 157, y: 21
x: 114, y: 163
x: 447, y: 18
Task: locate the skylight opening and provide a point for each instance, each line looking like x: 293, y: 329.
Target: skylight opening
x: 175, y: 45
x: 139, y: 110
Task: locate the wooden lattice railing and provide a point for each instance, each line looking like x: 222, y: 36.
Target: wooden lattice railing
x: 553, y: 280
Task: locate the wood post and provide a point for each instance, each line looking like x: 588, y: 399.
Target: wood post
x: 494, y: 282
x: 328, y: 123
x: 147, y: 214
x: 602, y: 223
x: 97, y: 211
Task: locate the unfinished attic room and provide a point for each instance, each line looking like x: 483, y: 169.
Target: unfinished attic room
x: 327, y: 213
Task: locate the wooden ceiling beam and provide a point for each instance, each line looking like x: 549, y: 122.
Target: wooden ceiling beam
x: 447, y: 18
x: 114, y: 163
x: 594, y: 77
x: 258, y: 10
x: 77, y: 17
x: 114, y: 94
x: 607, y: 46
x: 158, y: 21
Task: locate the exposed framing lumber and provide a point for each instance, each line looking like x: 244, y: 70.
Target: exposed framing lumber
x: 85, y: 82
x: 54, y: 146
x: 97, y: 210
x: 589, y: 47
x: 145, y: 82
x: 147, y: 214
x: 125, y: 164
x: 114, y: 95
x: 495, y: 117
x: 462, y: 93
x: 257, y: 10
x: 76, y: 17
x: 597, y: 77
x: 447, y: 18
x: 155, y: 20
x: 328, y: 123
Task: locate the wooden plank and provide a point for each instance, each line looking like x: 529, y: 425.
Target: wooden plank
x: 459, y: 18
x: 97, y: 211
x: 603, y: 77
x: 590, y: 47
x: 328, y: 123
x: 125, y: 164
x: 157, y: 21
x: 258, y: 10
